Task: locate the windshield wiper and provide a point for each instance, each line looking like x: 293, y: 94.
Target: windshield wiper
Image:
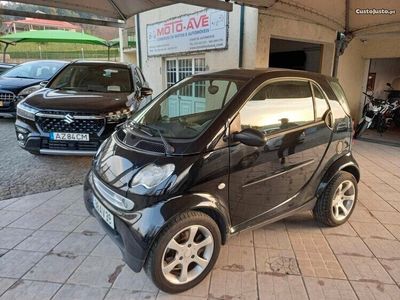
x: 23, y: 77
x: 169, y: 149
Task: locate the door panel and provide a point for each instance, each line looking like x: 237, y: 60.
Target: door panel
x: 264, y: 178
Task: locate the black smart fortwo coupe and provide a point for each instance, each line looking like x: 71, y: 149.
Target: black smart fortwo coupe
x: 218, y: 153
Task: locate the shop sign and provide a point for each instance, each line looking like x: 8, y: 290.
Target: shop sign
x: 201, y: 31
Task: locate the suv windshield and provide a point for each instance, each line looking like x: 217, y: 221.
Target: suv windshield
x: 186, y: 109
x: 35, y: 70
x: 93, y: 78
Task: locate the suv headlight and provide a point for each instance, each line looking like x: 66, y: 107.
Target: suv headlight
x: 117, y: 116
x: 25, y: 92
x: 26, y: 111
x: 150, y: 177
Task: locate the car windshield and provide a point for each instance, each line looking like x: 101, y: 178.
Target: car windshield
x: 35, y: 70
x: 188, y: 108
x: 93, y: 78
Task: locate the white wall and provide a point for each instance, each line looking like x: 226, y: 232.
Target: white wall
x: 154, y: 67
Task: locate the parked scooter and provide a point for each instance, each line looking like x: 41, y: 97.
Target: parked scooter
x: 394, y: 99
x: 374, y: 112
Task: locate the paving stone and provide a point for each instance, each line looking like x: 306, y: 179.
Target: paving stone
x: 116, y: 294
x: 374, y: 202
x: 242, y: 239
x: 363, y: 268
x: 42, y: 241
x: 329, y: 289
x: 389, y: 249
x: 107, y: 248
x: 75, y: 292
x: 314, y: 256
x: 273, y: 236
x: 372, y: 230
x: 5, y: 203
x: 276, y: 261
x: 77, y: 208
x: 16, y: 263
x: 33, y: 220
x: 342, y: 230
x: 10, y: 237
x: 238, y: 285
x: 348, y: 246
x: 55, y: 267
x: 392, y: 266
x: 9, y: 216
x: 107, y: 271
x: 163, y: 296
x: 387, y: 217
x: 79, y: 243
x: 5, y: 283
x: 395, y: 204
x: 394, y: 229
x: 27, y: 203
x: 31, y: 290
x: 90, y: 225
x: 63, y: 223
x: 236, y: 258
x: 129, y: 280
x: 375, y: 290
x: 273, y: 286
x: 363, y: 215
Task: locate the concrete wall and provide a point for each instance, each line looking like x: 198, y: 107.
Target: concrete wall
x: 154, y: 67
x: 278, y: 27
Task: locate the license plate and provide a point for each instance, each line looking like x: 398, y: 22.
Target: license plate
x: 66, y: 136
x: 104, y: 213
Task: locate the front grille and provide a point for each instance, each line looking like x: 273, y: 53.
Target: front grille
x: 7, y: 96
x: 91, y: 126
x: 70, y: 145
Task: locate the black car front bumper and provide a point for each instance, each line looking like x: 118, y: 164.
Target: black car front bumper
x: 32, y: 138
x: 132, y: 236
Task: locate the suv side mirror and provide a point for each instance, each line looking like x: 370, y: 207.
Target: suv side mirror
x: 43, y: 83
x: 249, y: 137
x: 145, y: 92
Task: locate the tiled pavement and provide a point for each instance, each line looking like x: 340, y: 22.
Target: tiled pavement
x: 51, y: 248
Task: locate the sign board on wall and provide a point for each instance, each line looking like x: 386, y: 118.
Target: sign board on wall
x: 204, y: 30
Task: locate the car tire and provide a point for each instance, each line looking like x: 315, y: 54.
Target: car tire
x: 178, y: 234
x: 336, y: 204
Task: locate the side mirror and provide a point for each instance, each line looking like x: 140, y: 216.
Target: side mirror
x: 249, y: 137
x: 145, y: 92
x: 43, y: 83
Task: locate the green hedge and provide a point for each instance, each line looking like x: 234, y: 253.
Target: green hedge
x: 64, y: 54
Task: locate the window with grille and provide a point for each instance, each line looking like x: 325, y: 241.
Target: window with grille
x: 180, y: 68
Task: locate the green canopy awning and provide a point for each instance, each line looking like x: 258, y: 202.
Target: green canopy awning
x: 53, y: 36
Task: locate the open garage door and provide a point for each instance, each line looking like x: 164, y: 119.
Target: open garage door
x: 295, y: 55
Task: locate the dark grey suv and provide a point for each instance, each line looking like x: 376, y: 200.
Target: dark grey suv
x: 216, y: 154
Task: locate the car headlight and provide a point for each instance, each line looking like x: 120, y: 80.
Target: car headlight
x: 151, y: 176
x: 29, y: 90
x: 117, y: 116
x: 26, y: 111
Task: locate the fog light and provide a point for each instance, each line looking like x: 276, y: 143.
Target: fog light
x: 20, y: 136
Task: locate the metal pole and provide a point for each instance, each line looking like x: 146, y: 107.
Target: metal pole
x: 4, y: 52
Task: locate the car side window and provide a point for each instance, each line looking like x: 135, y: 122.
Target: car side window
x: 279, y: 106
x: 138, y: 79
x: 321, y: 106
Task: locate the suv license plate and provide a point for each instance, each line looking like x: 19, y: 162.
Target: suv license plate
x: 104, y: 213
x: 66, y: 136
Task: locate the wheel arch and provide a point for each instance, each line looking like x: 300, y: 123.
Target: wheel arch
x: 345, y: 163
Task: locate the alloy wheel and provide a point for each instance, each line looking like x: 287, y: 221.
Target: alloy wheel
x: 343, y: 200
x: 187, y: 254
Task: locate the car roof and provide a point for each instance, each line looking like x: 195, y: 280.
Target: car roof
x: 248, y: 74
x: 46, y: 60
x: 98, y: 62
